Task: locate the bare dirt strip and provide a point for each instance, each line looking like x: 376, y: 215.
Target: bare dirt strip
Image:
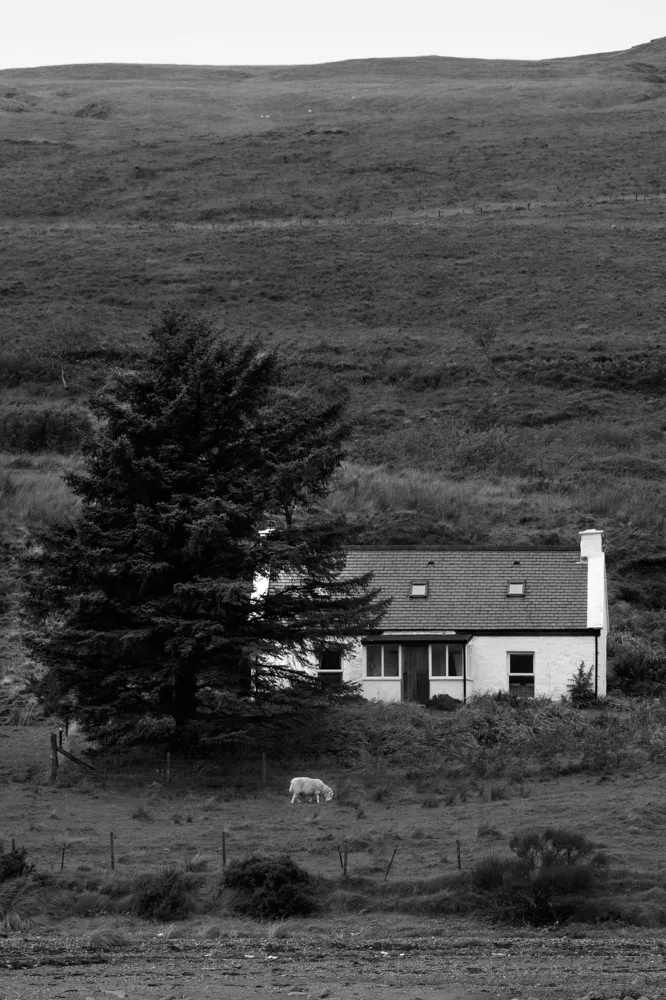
x: 544, y: 965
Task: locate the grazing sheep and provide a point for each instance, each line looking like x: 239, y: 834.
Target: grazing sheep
x: 309, y: 787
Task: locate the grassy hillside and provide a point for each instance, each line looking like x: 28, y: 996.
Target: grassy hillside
x: 474, y: 248
x: 361, y: 137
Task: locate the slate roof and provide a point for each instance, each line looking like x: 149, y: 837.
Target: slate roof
x: 467, y: 588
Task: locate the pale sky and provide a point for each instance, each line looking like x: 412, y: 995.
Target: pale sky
x: 274, y: 32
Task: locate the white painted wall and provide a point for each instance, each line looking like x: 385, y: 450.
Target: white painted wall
x: 383, y: 689
x: 453, y: 686
x: 597, y: 594
x: 353, y: 665
x: 556, y: 659
x: 602, y: 656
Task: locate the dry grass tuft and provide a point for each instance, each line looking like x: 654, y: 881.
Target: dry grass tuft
x: 109, y: 939
x: 277, y: 930
x: 198, y: 863
x: 24, y: 902
x: 210, y: 930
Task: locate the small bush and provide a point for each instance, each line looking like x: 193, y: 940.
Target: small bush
x: 509, y: 700
x: 444, y: 703
x: 162, y: 896
x: 581, y: 688
x: 270, y: 888
x: 551, y: 847
x: 14, y: 864
x: 545, y: 882
x: 488, y: 874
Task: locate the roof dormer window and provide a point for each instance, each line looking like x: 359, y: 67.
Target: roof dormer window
x: 419, y: 588
x: 515, y: 588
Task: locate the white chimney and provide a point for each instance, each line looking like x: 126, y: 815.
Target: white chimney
x: 592, y: 552
x: 590, y: 543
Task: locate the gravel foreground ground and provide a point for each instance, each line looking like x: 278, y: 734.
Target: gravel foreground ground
x: 539, y: 965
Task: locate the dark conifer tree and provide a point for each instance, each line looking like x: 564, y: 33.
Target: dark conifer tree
x: 205, y: 473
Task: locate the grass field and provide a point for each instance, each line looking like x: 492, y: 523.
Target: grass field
x: 475, y: 782
x: 383, y: 930
x: 375, y: 939
x: 158, y: 826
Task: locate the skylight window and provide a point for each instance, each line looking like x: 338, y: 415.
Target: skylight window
x: 419, y: 588
x: 515, y: 588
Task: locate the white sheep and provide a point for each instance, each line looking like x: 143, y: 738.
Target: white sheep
x: 309, y: 787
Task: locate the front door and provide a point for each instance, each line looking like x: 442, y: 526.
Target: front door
x: 415, y: 684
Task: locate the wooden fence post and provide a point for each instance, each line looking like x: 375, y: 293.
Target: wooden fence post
x: 113, y: 856
x: 224, y: 849
x: 54, y: 757
x: 62, y: 860
x: 390, y: 862
x: 458, y: 853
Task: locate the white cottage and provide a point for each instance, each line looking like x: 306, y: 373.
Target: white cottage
x: 470, y: 621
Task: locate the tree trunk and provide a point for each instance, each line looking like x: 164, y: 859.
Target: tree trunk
x: 184, y: 697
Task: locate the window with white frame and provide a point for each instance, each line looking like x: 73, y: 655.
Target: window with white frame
x: 383, y: 660
x: 446, y: 659
x: 330, y: 666
x: 515, y: 588
x: 521, y: 674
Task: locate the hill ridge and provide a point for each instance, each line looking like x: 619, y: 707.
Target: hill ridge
x: 657, y: 45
